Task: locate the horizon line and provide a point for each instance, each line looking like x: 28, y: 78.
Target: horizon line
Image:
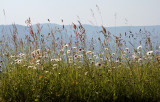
x: 82, y: 24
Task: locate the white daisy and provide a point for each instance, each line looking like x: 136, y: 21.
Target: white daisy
x: 37, y: 61
x: 74, y: 47
x: 149, y: 53
x: 55, y: 65
x: 139, y: 47
x: 106, y: 49
x: 126, y: 49
x: 68, y: 51
x: 18, y: 61
x: 89, y: 52
x: 134, y: 56
x: 139, y: 60
x: 66, y: 45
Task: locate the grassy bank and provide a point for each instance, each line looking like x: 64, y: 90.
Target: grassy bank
x: 33, y: 71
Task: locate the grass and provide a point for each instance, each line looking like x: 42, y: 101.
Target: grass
x: 74, y: 72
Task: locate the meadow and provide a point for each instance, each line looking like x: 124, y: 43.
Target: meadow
x: 32, y: 71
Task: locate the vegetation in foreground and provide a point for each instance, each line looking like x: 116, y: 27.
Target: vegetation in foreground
x: 74, y: 71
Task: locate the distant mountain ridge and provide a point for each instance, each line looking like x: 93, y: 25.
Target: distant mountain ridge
x: 91, y: 31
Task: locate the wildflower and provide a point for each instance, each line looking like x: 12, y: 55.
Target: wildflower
x: 123, y: 55
x: 89, y: 52
x: 79, y: 56
x: 101, y: 59
x: 80, y: 49
x: 149, y: 53
x: 46, y: 71
x: 98, y: 64
x: 86, y: 73
x: 70, y: 56
x: 90, y: 59
x: 61, y: 50
x: 24, y: 65
x: 113, y: 67
x: 52, y: 60
x: 38, y: 51
x: 75, y: 56
x: 126, y: 49
x: 124, y: 52
x: 70, y: 60
x: 33, y: 53
x: 106, y: 49
x: 92, y: 62
x: 32, y: 67
x: 37, y: 61
x: 21, y: 55
x: 55, y: 65
x: 134, y: 56
x: 12, y: 56
x: 74, y: 47
x: 74, y: 83
x: 139, y: 47
x: 139, y: 53
x: 40, y: 77
x: 68, y: 51
x: 45, y: 56
x: 117, y: 61
x: 109, y: 70
x: 6, y: 54
x: 139, y: 60
x: 113, y: 54
x: 18, y: 61
x: 55, y: 60
x: 96, y: 93
x: 66, y: 45
x: 95, y: 56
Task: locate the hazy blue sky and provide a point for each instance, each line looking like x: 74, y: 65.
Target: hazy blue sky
x: 128, y: 12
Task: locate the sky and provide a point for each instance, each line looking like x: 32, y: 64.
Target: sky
x: 93, y: 12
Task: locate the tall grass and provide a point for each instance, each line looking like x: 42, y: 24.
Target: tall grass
x: 33, y: 71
